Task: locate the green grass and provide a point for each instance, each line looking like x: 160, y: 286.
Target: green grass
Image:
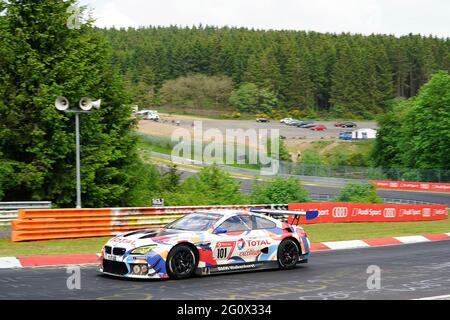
x: 316, y: 233
x: 64, y: 246
x: 164, y: 146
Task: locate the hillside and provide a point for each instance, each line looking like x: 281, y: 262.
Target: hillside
x: 312, y: 74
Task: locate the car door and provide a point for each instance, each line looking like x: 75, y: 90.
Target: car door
x: 259, y: 240
x: 229, y: 239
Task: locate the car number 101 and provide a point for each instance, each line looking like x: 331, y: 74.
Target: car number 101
x: 221, y: 253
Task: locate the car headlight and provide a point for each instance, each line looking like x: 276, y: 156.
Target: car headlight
x: 143, y: 250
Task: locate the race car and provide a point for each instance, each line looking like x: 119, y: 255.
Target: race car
x: 209, y: 242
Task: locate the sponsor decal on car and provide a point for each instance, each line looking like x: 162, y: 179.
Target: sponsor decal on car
x: 255, y: 243
x: 224, y: 249
x: 122, y: 240
x: 241, y: 244
x: 249, y: 252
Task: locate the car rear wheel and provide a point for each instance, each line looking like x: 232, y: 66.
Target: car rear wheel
x: 288, y: 254
x: 181, y: 262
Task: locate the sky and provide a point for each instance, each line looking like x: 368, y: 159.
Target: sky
x: 398, y: 17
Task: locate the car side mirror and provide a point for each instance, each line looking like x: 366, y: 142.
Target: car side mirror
x: 220, y: 230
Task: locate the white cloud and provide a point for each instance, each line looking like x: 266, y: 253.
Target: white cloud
x: 356, y: 16
x: 111, y: 15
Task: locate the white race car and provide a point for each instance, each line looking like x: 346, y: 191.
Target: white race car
x: 204, y: 243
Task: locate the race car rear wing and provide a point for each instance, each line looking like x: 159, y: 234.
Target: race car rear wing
x: 310, y: 214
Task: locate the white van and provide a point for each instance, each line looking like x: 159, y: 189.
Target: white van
x: 148, y: 115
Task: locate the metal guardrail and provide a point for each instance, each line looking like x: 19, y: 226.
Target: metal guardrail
x: 8, y: 210
x: 252, y: 172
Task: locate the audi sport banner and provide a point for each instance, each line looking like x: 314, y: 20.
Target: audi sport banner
x: 363, y: 212
x: 402, y: 185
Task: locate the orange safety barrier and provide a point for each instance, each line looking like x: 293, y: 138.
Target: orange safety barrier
x: 337, y: 212
x: 45, y: 224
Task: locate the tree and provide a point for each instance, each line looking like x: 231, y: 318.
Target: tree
x: 211, y: 186
x: 386, y: 152
x: 170, y: 180
x: 359, y: 193
x: 249, y: 98
x: 43, y: 59
x: 279, y: 190
x: 199, y: 91
x: 298, y: 92
x: 342, y: 74
x: 416, y: 133
x: 264, y: 71
x: 425, y: 142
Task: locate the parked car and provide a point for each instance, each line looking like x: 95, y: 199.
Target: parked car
x: 147, y: 115
x: 346, y: 124
x: 302, y: 123
x: 292, y: 122
x: 349, y: 125
x: 286, y: 120
x: 308, y: 125
x: 262, y: 120
x: 345, y: 135
x: 319, y: 127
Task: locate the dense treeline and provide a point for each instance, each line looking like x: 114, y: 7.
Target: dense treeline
x: 343, y: 75
x: 416, y: 133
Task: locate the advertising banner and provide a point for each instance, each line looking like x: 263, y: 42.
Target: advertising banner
x: 417, y: 186
x: 362, y: 212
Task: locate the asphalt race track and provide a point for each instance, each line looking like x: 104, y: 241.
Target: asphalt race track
x: 407, y: 272
x: 434, y: 197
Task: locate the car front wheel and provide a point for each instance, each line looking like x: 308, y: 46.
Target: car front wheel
x: 288, y: 254
x: 181, y: 262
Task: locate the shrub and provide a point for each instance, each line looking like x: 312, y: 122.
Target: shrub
x: 279, y: 190
x: 359, y: 192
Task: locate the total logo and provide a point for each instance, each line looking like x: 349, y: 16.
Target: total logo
x: 389, y: 213
x: 255, y: 243
x: 340, y: 212
x: 241, y: 244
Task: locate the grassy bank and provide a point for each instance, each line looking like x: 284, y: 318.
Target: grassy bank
x: 316, y: 233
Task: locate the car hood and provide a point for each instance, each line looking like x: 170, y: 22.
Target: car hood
x: 163, y: 236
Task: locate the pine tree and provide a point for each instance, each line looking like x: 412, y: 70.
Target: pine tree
x: 298, y: 92
x: 45, y: 59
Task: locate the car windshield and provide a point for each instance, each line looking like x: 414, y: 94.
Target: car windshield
x: 195, y: 222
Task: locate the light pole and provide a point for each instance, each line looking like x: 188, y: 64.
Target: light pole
x: 85, y: 106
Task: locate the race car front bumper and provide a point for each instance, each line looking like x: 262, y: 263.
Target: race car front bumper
x: 138, y: 267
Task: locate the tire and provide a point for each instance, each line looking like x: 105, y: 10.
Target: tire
x: 181, y: 262
x: 288, y: 254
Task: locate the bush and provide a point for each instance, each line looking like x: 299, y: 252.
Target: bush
x: 144, y: 181
x: 279, y: 190
x: 359, y: 192
x: 211, y: 186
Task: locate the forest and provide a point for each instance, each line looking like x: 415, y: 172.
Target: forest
x: 315, y: 74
